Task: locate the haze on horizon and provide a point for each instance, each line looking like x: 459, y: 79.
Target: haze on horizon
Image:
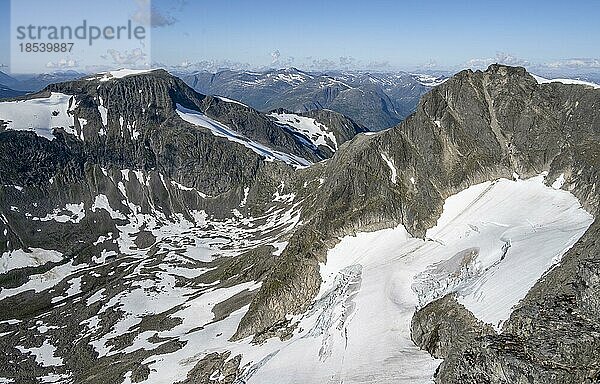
x: 374, y: 35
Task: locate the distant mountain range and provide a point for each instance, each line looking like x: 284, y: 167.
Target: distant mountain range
x: 34, y: 83
x: 6, y: 92
x: 375, y: 100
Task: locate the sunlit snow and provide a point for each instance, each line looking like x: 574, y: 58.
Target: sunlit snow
x: 316, y: 132
x: 372, y: 282
x: 542, y: 80
x: 40, y: 115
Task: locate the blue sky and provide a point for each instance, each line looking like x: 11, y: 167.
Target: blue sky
x: 368, y: 34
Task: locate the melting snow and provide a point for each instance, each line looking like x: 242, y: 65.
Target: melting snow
x: 44, y: 355
x: 245, y: 199
x: 101, y: 202
x: 558, y: 183
x: 225, y: 99
x: 103, y: 115
x: 73, y: 213
x: 20, y: 259
x: 43, y: 281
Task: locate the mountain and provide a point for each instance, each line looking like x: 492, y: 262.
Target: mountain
x: 159, y: 235
x: 6, y: 79
x: 6, y: 92
x: 377, y: 101
x: 34, y: 83
x: 324, y: 129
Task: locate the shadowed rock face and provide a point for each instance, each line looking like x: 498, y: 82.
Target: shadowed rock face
x: 441, y: 325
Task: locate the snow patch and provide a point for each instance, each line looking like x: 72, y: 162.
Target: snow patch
x: 45, y: 355
x: 101, y: 202
x: 34, y: 258
x: 119, y: 74
x: 559, y: 182
x: 316, y: 132
x: 73, y: 213
x: 225, y: 99
x: 542, y: 80
x: 40, y: 115
x: 390, y: 164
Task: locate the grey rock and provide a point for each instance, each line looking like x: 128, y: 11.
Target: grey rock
x: 444, y: 323
x: 214, y: 368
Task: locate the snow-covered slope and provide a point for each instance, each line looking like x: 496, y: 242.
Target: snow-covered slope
x: 492, y: 243
x: 542, y: 80
x: 316, y: 132
x: 118, y: 74
x: 429, y: 80
x: 40, y: 115
x: 221, y: 130
x: 227, y: 100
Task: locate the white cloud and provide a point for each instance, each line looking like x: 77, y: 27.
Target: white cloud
x: 278, y: 60
x: 134, y: 57
x: 379, y: 65
x: 347, y: 61
x: 275, y: 55
x: 575, y: 63
x: 500, y: 58
x: 62, y: 63
x: 206, y: 65
x: 323, y: 64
